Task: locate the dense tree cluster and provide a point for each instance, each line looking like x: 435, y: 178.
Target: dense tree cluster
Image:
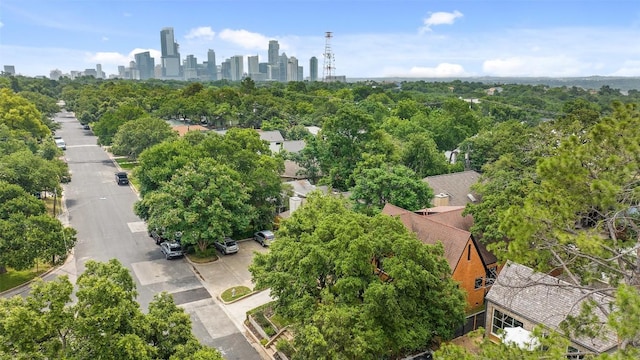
x: 209, y: 186
x: 104, y: 323
x: 357, y: 287
x: 29, y: 166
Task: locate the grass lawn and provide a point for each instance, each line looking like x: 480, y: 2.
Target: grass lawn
x: 125, y: 163
x: 13, y: 278
x: 203, y: 258
x: 230, y: 295
x: 48, y: 203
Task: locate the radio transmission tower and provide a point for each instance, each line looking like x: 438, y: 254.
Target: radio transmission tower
x: 328, y: 67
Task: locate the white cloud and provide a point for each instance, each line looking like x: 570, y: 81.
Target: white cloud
x: 629, y: 68
x: 245, y: 39
x: 108, y: 58
x: 201, y: 33
x: 559, y: 65
x: 441, y: 70
x: 116, y: 58
x: 153, y: 52
x: 440, y: 18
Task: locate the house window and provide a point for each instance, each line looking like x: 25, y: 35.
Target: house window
x: 574, y: 354
x: 501, y: 321
x: 492, y: 274
x: 469, y: 252
x: 478, y: 283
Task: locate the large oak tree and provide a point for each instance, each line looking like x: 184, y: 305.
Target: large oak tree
x: 357, y: 286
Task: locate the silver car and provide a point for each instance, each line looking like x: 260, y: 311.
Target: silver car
x: 227, y: 245
x: 264, y: 237
x: 171, y: 249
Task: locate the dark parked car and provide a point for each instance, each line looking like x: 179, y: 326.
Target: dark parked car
x: 264, y: 237
x: 226, y: 245
x: 157, y: 236
x: 86, y: 127
x: 122, y: 178
x: 171, y: 249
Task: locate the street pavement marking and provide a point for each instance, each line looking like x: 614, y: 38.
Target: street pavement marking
x: 137, y: 226
x: 162, y: 270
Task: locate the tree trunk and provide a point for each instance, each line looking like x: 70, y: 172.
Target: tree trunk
x: 3, y: 269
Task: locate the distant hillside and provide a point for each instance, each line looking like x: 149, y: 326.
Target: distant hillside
x: 590, y: 82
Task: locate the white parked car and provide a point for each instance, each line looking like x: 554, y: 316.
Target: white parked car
x: 61, y: 144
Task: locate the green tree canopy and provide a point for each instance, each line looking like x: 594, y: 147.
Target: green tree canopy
x: 205, y: 201
x: 357, y: 286
x: 104, y: 323
x: 19, y: 114
x: 139, y: 134
x: 109, y: 123
x: 394, y: 184
x: 239, y: 149
x: 27, y: 233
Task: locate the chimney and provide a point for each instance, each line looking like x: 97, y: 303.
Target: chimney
x: 294, y: 204
x: 441, y: 199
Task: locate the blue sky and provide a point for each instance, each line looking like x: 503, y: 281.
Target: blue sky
x: 371, y: 38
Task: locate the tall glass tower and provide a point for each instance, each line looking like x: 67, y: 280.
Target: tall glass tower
x: 274, y: 52
x: 313, y: 69
x: 212, y: 69
x: 170, y: 56
x: 145, y: 64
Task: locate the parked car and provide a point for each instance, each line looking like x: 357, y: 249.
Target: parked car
x: 264, y: 237
x: 86, y: 127
x: 61, y: 144
x: 171, y: 249
x: 122, y: 178
x: 226, y: 245
x: 157, y: 236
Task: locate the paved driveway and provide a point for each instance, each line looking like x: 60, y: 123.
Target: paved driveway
x: 230, y: 270
x: 218, y: 276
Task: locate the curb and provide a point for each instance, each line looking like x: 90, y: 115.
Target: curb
x: 41, y: 277
x: 240, y: 298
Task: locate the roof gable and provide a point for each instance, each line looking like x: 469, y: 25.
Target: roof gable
x: 546, y: 300
x: 429, y: 231
x: 271, y: 136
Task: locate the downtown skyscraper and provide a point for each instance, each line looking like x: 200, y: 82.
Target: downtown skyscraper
x: 170, y: 55
x: 145, y: 64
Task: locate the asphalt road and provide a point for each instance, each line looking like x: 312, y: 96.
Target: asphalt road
x: 102, y: 213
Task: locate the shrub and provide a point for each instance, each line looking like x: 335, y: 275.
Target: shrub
x: 285, y: 347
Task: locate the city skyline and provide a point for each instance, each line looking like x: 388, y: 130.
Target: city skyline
x: 372, y: 38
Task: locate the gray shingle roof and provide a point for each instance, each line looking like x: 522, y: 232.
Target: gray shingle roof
x: 293, y: 146
x: 456, y: 185
x: 547, y: 300
x: 271, y: 136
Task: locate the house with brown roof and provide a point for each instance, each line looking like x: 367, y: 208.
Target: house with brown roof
x: 472, y: 266
x: 523, y: 298
x: 453, y: 189
x: 183, y: 129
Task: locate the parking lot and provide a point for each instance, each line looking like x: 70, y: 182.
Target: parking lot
x: 230, y: 270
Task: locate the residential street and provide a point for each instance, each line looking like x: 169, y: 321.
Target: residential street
x: 102, y: 213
